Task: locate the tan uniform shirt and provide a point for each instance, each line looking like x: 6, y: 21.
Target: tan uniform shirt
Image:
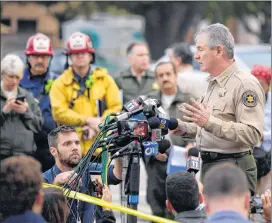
x: 235, y: 100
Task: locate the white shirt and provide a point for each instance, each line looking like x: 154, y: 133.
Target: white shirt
x: 167, y: 100
x: 193, y: 82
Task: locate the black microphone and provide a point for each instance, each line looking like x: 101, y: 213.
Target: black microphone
x: 164, y: 145
x: 134, y: 103
x: 173, y: 124
x: 116, y: 140
x: 156, y: 132
x: 153, y: 122
x: 125, y: 115
x: 131, y: 108
x: 193, y: 161
x: 127, y: 147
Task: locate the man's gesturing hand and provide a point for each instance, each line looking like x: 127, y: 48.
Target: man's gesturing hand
x: 196, y: 113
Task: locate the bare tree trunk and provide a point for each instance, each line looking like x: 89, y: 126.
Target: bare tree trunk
x: 164, y: 28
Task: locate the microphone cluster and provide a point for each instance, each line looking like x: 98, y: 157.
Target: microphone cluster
x: 125, y: 129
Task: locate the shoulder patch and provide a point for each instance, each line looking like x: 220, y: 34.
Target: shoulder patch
x: 249, y: 99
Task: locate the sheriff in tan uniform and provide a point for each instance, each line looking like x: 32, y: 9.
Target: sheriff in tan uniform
x: 228, y: 121
x: 235, y: 100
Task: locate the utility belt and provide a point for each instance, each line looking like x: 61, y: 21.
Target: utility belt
x: 213, y: 156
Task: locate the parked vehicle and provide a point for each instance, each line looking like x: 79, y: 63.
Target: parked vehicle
x: 254, y: 54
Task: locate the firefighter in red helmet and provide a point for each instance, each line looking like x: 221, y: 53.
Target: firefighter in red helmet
x: 84, y: 94
x: 38, y: 79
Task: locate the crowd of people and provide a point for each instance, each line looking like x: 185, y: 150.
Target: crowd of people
x: 53, y: 120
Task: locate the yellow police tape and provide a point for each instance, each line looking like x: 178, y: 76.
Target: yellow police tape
x: 116, y: 207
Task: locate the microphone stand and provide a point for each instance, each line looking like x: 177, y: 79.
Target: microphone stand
x: 124, y: 198
x: 131, y: 181
x: 134, y: 181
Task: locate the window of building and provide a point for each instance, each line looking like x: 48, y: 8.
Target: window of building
x: 6, y: 22
x: 26, y: 26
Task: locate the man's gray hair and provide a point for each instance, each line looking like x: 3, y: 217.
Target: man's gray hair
x: 218, y: 34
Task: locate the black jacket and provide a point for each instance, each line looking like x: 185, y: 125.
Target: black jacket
x: 195, y: 216
x: 107, y: 217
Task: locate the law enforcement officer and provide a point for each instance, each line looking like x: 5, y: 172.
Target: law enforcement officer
x: 228, y: 120
x: 137, y: 79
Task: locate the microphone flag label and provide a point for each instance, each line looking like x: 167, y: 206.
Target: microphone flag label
x: 151, y: 148
x: 131, y: 105
x: 156, y: 135
x: 164, y: 119
x: 193, y: 162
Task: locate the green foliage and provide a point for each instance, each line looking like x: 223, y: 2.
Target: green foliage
x: 220, y: 11
x: 216, y: 11
x: 173, y: 19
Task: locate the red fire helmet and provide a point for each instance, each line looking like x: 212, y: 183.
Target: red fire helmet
x: 39, y: 44
x: 79, y: 42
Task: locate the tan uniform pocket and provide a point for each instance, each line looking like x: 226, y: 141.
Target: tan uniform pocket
x: 220, y: 106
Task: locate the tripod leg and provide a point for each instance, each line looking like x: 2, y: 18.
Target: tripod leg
x: 134, y: 186
x: 123, y: 194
